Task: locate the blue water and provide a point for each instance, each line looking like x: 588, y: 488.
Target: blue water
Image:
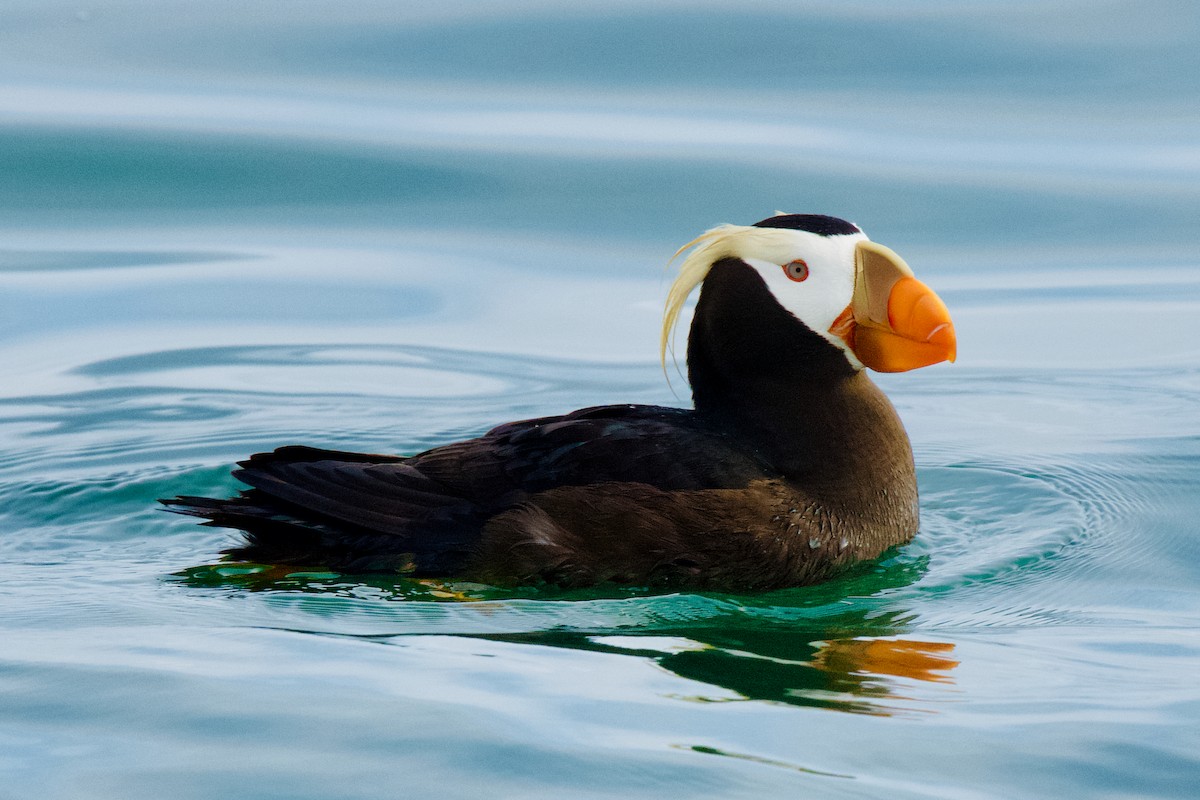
x: 386, y: 226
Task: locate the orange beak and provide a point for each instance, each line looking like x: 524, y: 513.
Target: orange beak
x: 899, y: 323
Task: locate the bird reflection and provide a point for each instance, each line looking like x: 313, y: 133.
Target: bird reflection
x: 901, y: 658
x: 830, y: 646
x: 862, y: 674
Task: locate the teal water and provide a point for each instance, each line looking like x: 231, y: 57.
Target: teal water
x: 226, y: 227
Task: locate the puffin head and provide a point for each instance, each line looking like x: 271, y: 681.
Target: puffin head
x: 858, y: 296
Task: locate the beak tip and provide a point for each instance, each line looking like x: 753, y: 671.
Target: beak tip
x: 943, y: 336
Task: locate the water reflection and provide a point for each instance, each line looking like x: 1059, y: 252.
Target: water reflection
x: 839, y: 646
x: 901, y: 658
x: 870, y: 672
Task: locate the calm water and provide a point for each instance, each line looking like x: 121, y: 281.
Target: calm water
x: 230, y: 226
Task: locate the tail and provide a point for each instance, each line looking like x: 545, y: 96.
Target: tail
x: 352, y: 512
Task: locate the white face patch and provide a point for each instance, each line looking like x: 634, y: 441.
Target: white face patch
x: 820, y: 298
x: 816, y: 301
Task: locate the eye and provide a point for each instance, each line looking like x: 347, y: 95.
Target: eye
x: 796, y: 270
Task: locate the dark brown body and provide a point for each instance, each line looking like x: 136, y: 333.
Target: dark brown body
x: 764, y: 536
x: 792, y: 466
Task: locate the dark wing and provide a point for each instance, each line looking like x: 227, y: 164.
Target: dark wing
x: 667, y: 448
x: 424, y: 514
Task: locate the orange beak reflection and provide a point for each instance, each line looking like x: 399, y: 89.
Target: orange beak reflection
x: 898, y: 322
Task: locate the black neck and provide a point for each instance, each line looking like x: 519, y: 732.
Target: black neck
x: 757, y: 370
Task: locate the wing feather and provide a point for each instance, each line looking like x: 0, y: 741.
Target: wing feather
x: 364, y: 510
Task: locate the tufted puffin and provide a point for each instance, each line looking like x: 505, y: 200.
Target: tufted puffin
x: 791, y: 466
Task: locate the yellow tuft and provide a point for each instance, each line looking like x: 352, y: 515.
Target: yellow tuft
x: 709, y: 247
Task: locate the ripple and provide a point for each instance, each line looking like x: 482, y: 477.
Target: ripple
x: 311, y: 369
x: 395, y: 370
x: 223, y: 402
x: 980, y: 523
x: 1045, y: 544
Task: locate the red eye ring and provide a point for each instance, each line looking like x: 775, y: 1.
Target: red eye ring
x: 796, y: 270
